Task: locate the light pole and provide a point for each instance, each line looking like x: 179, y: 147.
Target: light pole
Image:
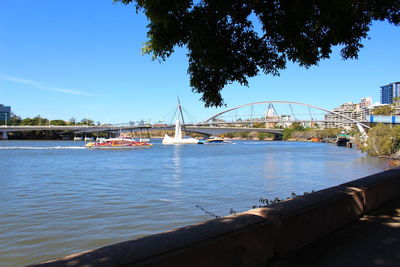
x: 6, y: 119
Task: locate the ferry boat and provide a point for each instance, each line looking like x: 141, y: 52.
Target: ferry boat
x: 117, y: 143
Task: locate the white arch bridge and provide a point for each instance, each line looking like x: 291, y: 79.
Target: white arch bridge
x: 265, y: 116
x: 274, y: 116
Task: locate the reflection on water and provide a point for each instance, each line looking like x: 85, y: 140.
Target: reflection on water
x: 177, y: 163
x: 58, y: 198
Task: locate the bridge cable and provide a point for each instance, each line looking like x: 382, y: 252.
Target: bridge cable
x: 292, y: 112
x: 271, y: 107
x: 251, y: 116
x: 189, y: 115
x: 168, y: 113
x: 309, y: 110
x: 174, y: 116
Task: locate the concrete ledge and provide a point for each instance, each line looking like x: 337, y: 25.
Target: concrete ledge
x: 253, y: 237
x: 305, y: 219
x: 378, y: 188
x: 212, y: 243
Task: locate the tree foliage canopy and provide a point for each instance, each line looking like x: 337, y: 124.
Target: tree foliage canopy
x: 383, y: 140
x: 383, y: 110
x: 225, y: 45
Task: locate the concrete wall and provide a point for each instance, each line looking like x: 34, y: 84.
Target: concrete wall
x: 253, y: 237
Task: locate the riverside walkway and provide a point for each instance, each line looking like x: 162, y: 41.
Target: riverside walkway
x: 373, y: 240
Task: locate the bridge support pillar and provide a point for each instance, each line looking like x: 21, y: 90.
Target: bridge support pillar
x: 364, y: 134
x: 4, y: 136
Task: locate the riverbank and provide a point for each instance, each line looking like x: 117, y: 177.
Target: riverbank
x: 394, y: 159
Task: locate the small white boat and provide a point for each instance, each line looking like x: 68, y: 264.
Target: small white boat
x: 217, y: 140
x: 78, y: 138
x: 89, y: 138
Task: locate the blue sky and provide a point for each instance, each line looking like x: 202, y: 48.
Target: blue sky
x: 70, y: 58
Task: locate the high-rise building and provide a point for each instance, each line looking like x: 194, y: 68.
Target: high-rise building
x: 390, y: 91
x: 5, y: 113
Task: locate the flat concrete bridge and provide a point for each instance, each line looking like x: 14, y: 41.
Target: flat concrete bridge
x: 74, y: 128
x: 206, y: 130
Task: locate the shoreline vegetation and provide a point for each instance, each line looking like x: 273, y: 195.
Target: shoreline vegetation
x: 383, y: 140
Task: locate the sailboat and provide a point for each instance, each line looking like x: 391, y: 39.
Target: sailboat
x: 179, y: 138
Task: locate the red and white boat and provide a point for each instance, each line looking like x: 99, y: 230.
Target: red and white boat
x: 118, y: 143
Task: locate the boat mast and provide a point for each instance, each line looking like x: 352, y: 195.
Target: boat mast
x: 181, y: 114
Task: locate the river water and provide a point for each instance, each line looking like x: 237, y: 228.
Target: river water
x: 59, y: 198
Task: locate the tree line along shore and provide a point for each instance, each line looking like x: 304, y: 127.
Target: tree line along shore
x: 383, y: 140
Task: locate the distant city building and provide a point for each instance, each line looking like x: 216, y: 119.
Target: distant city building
x: 366, y: 106
x: 390, y: 91
x: 5, y: 113
x: 366, y: 102
x: 355, y: 111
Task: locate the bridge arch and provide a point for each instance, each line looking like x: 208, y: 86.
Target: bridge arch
x: 361, y: 126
